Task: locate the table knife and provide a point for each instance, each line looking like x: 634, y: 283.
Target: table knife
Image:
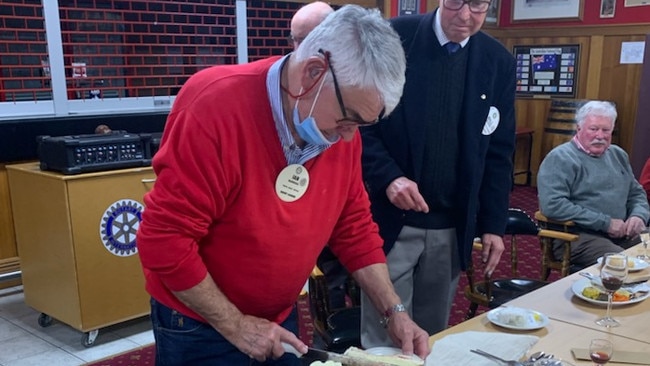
x: 315, y: 354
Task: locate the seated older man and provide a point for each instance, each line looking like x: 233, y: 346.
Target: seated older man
x: 590, y: 182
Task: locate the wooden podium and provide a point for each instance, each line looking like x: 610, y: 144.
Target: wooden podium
x: 76, y: 242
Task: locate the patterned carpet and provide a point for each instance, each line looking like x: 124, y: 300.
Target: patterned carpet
x: 143, y: 356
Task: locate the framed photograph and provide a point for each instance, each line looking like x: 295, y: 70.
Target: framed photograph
x: 547, y: 71
x: 493, y: 12
x: 529, y: 10
x: 629, y: 3
x: 607, y: 8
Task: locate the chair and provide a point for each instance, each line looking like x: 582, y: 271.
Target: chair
x: 338, y: 328
x: 492, y: 293
x: 555, y: 230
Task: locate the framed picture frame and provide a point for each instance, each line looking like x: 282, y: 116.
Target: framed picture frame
x: 630, y: 3
x: 492, y: 17
x: 547, y: 71
x: 607, y: 8
x: 536, y: 10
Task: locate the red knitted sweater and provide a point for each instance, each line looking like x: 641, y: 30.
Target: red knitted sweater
x: 214, y: 207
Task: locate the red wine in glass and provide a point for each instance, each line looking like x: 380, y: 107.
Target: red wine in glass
x: 612, y: 274
x: 612, y: 283
x: 599, y: 357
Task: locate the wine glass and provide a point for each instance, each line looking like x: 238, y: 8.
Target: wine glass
x: 600, y: 351
x: 645, y: 239
x: 612, y: 273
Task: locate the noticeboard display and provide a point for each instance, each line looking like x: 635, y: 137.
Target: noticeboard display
x: 547, y: 71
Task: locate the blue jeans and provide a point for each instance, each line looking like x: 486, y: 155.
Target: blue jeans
x: 183, y: 341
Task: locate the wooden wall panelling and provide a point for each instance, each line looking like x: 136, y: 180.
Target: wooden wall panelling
x: 532, y: 113
x: 641, y: 147
x: 620, y: 83
x: 432, y: 4
x: 592, y: 84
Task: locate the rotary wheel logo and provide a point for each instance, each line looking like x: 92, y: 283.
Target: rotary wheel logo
x: 119, y: 225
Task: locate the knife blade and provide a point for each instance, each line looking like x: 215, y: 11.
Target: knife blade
x: 321, y: 355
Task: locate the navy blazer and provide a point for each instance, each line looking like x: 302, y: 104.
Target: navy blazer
x: 395, y: 146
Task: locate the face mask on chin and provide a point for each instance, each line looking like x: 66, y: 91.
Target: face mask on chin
x: 308, y: 129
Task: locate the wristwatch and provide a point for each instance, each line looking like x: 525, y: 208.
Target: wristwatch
x: 399, y: 308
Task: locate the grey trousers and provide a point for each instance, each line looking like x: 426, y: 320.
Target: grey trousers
x: 589, y: 247
x: 424, y: 268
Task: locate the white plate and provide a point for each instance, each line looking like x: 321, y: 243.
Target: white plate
x: 639, y: 264
x: 517, y: 318
x: 580, y: 285
x: 389, y: 351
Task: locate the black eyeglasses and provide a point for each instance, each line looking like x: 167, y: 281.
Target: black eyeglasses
x: 347, y: 120
x: 475, y: 6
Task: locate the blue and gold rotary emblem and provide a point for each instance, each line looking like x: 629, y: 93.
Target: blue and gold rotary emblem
x: 119, y: 226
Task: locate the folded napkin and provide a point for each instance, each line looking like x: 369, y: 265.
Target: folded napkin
x: 454, y: 349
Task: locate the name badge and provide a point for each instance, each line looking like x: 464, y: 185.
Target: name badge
x: 292, y: 183
x: 492, y: 121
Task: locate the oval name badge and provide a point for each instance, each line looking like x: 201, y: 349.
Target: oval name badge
x: 292, y: 183
x: 492, y: 121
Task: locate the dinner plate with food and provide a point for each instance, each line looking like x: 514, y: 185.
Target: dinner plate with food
x: 517, y: 318
x: 633, y: 264
x: 589, y: 291
x: 388, y: 354
x: 380, y: 355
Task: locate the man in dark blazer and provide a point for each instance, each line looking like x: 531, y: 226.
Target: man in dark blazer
x: 439, y: 169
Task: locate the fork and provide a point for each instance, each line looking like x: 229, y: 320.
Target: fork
x: 495, y: 358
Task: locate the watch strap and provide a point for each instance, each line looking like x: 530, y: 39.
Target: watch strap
x: 388, y: 314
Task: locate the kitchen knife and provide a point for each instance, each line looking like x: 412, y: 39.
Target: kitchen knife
x: 320, y: 355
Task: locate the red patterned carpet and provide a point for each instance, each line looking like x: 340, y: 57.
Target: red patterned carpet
x: 144, y: 356
x: 522, y: 197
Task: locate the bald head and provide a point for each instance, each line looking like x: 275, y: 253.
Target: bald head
x: 306, y: 19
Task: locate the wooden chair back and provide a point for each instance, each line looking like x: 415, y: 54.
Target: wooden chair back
x: 551, y: 230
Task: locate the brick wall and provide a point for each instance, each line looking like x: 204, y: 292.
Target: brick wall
x: 22, y: 49
x: 132, y: 48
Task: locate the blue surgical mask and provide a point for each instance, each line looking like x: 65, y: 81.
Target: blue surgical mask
x: 308, y: 129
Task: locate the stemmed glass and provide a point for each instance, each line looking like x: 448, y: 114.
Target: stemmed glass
x: 645, y: 239
x: 612, y: 273
x: 600, y: 351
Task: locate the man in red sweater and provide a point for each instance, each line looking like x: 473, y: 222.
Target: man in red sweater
x: 252, y: 182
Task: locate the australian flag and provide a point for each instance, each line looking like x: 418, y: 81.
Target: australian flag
x: 544, y: 62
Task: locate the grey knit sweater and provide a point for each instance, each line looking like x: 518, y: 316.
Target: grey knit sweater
x: 589, y: 190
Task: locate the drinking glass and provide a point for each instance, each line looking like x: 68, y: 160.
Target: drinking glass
x: 645, y: 239
x: 600, y: 351
x: 612, y: 273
